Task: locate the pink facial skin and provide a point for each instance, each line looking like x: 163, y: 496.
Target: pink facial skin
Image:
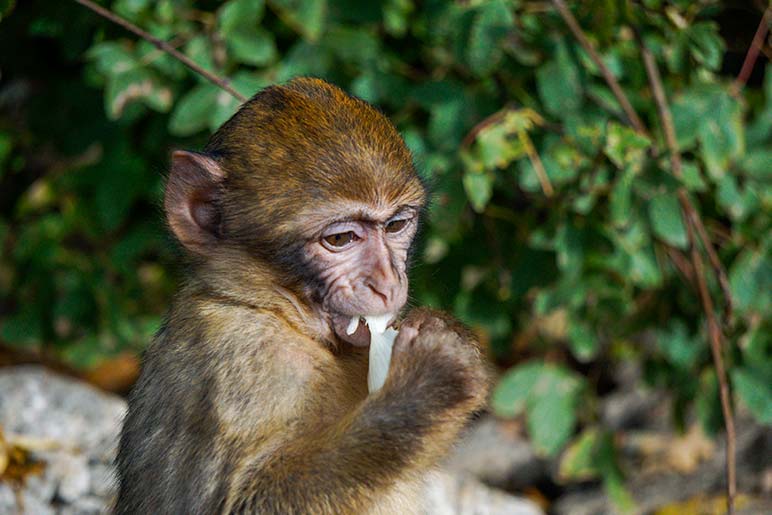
x: 362, y: 262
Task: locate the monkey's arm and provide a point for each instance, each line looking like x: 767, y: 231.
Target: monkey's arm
x: 435, y: 382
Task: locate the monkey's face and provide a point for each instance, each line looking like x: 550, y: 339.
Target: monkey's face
x: 308, y: 189
x: 360, y: 260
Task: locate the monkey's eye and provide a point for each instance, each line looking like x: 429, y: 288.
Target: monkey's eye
x: 396, y: 225
x: 341, y: 239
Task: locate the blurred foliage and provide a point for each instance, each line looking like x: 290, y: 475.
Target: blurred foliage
x: 499, y: 104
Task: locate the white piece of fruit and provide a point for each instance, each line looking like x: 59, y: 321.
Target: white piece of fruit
x: 381, y: 341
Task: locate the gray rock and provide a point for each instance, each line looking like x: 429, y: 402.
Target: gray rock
x: 42, y: 486
x: 458, y: 494
x: 88, y: 505
x: 497, y: 455
x: 84, y: 424
x: 7, y: 499
x: 35, y: 402
x: 102, y: 480
x: 74, y: 477
x: 651, y: 491
x: 624, y: 410
x: 33, y: 506
x: 73, y: 430
x: 586, y: 502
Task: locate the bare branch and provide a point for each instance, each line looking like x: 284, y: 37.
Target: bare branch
x: 616, y: 89
x: 164, y: 46
x: 753, y: 52
x: 691, y: 216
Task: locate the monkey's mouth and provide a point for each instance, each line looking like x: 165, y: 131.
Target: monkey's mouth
x: 355, y: 330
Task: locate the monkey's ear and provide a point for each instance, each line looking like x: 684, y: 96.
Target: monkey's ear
x: 191, y: 200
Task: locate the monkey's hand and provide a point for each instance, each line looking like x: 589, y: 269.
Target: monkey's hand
x: 438, y: 360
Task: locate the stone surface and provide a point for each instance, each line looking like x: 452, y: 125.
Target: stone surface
x: 498, y: 454
x: 73, y: 429
x: 459, y: 494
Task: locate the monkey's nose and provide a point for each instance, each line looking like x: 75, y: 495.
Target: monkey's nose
x: 383, y: 292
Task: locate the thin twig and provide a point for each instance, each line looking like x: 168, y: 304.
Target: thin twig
x: 484, y: 124
x: 718, y: 269
x: 530, y: 150
x: 753, y: 53
x: 690, y: 216
x: 616, y: 89
x: 538, y: 166
x: 164, y: 46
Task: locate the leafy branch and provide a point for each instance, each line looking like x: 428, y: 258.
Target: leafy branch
x: 692, y: 221
x: 691, y: 218
x: 616, y: 89
x: 163, y: 46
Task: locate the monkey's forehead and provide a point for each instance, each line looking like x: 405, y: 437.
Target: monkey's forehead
x: 306, y: 121
x: 299, y: 145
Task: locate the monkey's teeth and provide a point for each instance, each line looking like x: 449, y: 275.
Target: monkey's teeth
x: 353, y: 325
x: 378, y: 323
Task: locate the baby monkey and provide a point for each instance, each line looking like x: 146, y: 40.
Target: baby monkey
x: 298, y: 216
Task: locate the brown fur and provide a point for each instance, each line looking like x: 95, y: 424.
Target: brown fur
x: 247, y: 401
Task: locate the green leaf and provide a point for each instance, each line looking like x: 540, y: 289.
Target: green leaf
x: 644, y: 270
x: 706, y: 45
x: 548, y: 393
x: 6, y: 6
x: 666, y: 220
x: 510, y: 395
x: 738, y: 203
x: 199, y: 49
x: 255, y: 46
x: 493, y: 22
x: 479, y: 189
x: 755, y: 392
x: 757, y: 163
x: 691, y: 178
x: 578, y: 461
x: 721, y: 135
x: 112, y: 58
x: 689, y: 110
x: 395, y: 16
x: 679, y: 347
x: 307, y: 17
x: 558, y: 83
x: 624, y: 146
x: 130, y: 9
x: 569, y: 245
x: 353, y: 45
x: 236, y: 15
x: 193, y: 111
x: 707, y: 403
x: 136, y: 85
x: 750, y: 279
x: 620, y: 199
x: 583, y: 342
x: 551, y: 419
